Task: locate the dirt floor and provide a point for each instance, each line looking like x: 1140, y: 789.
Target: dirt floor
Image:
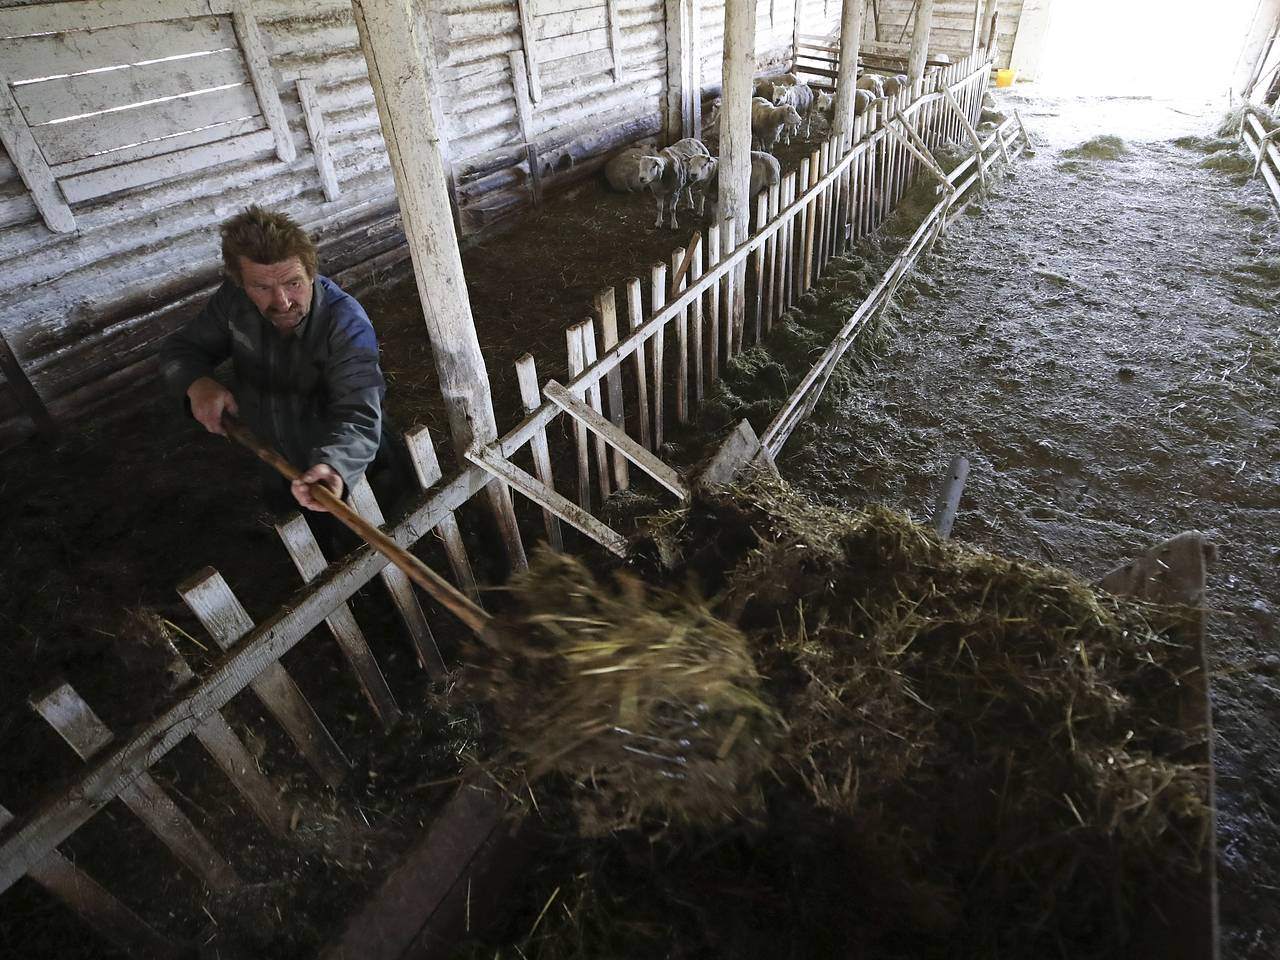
x: 1100, y: 338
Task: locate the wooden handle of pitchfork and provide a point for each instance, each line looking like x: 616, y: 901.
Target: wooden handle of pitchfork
x: 439, y: 588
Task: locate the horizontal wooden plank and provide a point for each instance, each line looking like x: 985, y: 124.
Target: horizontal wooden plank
x: 98, y: 183
x: 48, y: 100
x: 574, y: 21
x: 154, y: 148
x: 79, y: 51
x: 572, y: 45
x: 76, y: 139
x: 96, y: 14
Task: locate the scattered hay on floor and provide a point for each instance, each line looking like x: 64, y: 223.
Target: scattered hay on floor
x: 1103, y: 147
x: 640, y: 697
x: 980, y: 757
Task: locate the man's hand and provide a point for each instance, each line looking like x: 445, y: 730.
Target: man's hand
x: 322, y: 474
x: 209, y: 400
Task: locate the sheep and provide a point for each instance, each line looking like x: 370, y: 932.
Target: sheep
x: 862, y: 100
x: 766, y: 171
x: 895, y: 85
x: 763, y: 86
x: 768, y: 120
x: 798, y: 95
x: 822, y: 111
x: 685, y: 164
x: 873, y: 82
x: 633, y: 169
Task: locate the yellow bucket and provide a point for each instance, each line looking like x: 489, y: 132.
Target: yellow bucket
x: 1004, y: 78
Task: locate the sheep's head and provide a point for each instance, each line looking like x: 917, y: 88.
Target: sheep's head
x: 701, y: 169
x: 650, y: 169
x: 790, y: 117
x: 824, y: 102
x: 780, y: 93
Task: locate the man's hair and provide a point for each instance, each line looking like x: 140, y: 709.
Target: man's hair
x: 265, y: 237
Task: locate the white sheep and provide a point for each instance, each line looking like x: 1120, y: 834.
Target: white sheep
x: 633, y: 169
x: 768, y: 120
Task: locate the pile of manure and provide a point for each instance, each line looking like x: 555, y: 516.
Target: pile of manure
x: 974, y: 756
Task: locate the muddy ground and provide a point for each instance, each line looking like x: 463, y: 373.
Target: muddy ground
x: 1101, y: 339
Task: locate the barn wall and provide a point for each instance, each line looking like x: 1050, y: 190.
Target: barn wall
x: 775, y: 27
x: 952, y: 27
x: 84, y: 312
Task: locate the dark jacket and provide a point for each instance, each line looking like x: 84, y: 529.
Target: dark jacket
x: 315, y: 395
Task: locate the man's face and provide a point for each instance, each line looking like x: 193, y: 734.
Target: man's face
x: 281, y: 291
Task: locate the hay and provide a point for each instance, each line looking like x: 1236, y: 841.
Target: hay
x: 980, y: 756
x: 1103, y: 147
x: 645, y: 702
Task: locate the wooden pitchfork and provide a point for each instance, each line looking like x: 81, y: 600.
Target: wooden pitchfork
x: 435, y: 585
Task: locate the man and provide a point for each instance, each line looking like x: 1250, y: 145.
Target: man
x: 304, y: 354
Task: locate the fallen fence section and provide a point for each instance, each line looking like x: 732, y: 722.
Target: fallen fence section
x: 714, y: 298
x: 1261, y: 144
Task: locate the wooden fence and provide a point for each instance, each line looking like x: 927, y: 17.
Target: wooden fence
x: 1262, y: 145
x: 700, y: 315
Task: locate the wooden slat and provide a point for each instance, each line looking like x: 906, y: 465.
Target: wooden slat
x: 771, y: 261
x: 762, y: 214
x: 62, y: 53
x: 310, y: 562
x: 159, y: 148
x: 80, y: 727
x: 607, y: 307
x: 400, y: 587
x: 595, y: 400
x: 104, y: 913
x: 635, y: 317
x: 489, y: 460
x: 733, y: 302
x: 126, y: 176
x: 74, y: 96
x: 30, y: 162
x: 319, y: 134
x: 657, y: 299
x: 30, y: 400
x: 96, y: 14
x: 233, y: 757
x: 76, y: 139
x: 682, y: 339
x: 524, y: 115
x: 577, y: 362
x: 616, y: 438
x: 531, y: 398
x: 426, y: 464
x: 697, y: 334
x: 530, y: 40
x: 216, y: 607
x: 615, y: 38
x: 713, y: 306
x: 264, y: 81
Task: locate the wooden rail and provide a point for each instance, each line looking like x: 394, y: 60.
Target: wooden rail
x: 1261, y: 144
x: 841, y: 193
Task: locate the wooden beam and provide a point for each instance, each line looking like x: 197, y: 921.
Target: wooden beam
x: 490, y: 460
x: 616, y: 438
x: 735, y: 140
x: 226, y: 621
x: 852, y: 13
x: 95, y: 14
x: 400, y: 587
x: 95, y: 904
x: 682, y: 55
x: 531, y: 398
x: 310, y: 563
x: 529, y: 40
x: 264, y: 80
x: 31, y: 165
x: 615, y: 38
x: 427, y: 467
x: 319, y: 135
x: 397, y: 54
x: 524, y: 115
x: 920, y: 41
x: 87, y: 735
x: 25, y: 392
x: 607, y: 308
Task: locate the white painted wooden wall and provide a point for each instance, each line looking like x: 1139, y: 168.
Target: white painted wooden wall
x: 952, y: 26
x: 147, y: 183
